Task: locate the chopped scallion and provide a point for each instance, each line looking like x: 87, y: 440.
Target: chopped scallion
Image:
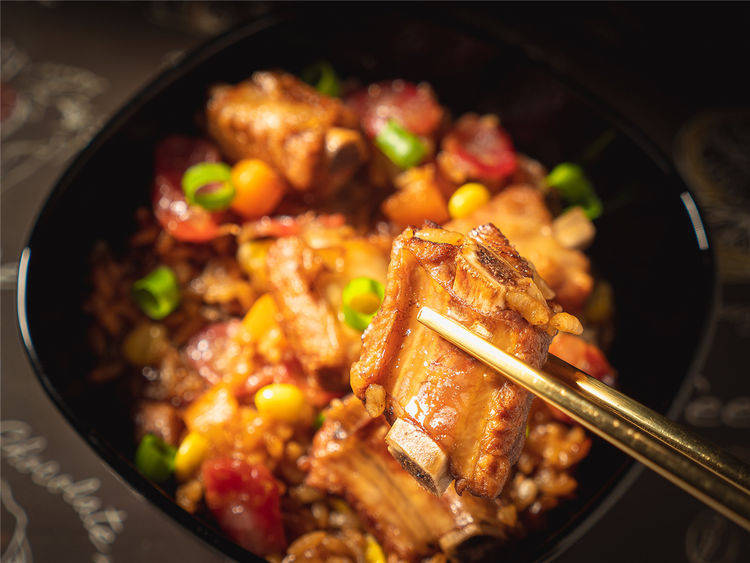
x: 571, y: 183
x: 320, y: 418
x: 322, y: 76
x: 209, y: 184
x: 361, y: 300
x: 157, y: 294
x: 403, y: 148
x: 155, y: 458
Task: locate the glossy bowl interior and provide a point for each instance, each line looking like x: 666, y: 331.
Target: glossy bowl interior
x: 646, y: 244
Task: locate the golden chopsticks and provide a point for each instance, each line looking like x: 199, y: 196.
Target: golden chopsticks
x: 689, y: 462
x: 688, y: 444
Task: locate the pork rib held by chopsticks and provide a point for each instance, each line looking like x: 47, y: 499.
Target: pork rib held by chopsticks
x: 451, y: 416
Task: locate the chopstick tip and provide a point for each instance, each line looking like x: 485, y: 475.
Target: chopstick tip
x: 424, y: 314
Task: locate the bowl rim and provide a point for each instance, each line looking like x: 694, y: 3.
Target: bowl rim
x: 122, y: 467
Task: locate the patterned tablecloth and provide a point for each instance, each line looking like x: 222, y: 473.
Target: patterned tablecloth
x: 66, y: 68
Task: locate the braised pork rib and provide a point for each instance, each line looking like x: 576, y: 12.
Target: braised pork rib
x: 349, y: 458
x: 451, y: 416
x: 306, y: 275
x: 311, y: 139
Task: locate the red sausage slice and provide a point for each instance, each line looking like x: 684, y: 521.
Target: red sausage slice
x: 184, y: 222
x: 477, y: 148
x: 413, y: 106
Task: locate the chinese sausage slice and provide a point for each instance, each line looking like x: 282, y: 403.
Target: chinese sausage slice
x: 451, y: 416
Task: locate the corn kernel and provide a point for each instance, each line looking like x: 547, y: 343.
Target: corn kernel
x: 281, y: 401
x: 466, y: 199
x: 373, y: 552
x: 190, y: 455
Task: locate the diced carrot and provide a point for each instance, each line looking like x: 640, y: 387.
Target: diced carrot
x: 258, y: 188
x: 261, y: 328
x: 419, y: 199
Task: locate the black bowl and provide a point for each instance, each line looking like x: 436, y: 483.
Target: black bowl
x: 650, y: 244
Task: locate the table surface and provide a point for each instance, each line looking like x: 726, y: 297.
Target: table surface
x: 66, y: 68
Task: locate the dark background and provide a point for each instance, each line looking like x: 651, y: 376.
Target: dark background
x: 678, y: 72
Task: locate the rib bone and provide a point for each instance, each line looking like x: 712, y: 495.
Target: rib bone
x: 420, y: 455
x: 349, y: 458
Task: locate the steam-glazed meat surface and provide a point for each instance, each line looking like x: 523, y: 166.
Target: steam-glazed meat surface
x: 453, y: 417
x: 310, y: 138
x: 349, y: 458
x: 520, y: 213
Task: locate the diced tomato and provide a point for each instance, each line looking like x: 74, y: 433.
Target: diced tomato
x: 477, y: 148
x: 413, y: 106
x: 586, y: 357
x: 184, y: 222
x: 206, y: 350
x: 244, y: 499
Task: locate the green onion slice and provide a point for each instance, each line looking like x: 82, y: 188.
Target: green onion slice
x: 571, y: 183
x: 320, y: 418
x: 593, y: 208
x: 403, y: 148
x: 209, y: 184
x: 155, y: 458
x: 361, y: 300
x: 322, y: 76
x: 157, y: 294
